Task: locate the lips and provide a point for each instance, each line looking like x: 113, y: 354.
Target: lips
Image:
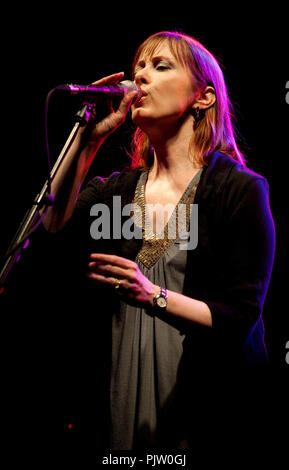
x: 141, y: 95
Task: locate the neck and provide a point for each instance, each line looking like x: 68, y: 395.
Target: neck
x: 172, y: 154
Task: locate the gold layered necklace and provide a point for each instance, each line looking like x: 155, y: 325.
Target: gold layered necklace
x: 155, y: 245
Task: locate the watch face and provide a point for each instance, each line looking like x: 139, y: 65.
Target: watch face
x: 161, y: 301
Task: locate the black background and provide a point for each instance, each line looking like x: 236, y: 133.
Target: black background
x: 42, y: 49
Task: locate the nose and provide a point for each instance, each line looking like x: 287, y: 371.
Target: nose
x: 141, y: 77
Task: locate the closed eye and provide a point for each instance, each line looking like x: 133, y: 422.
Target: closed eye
x: 162, y: 67
x: 160, y: 64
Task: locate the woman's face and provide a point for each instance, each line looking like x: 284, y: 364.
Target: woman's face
x: 166, y: 86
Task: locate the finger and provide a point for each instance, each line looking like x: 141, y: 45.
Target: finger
x: 126, y: 103
x: 111, y: 281
x: 110, y: 270
x: 118, y: 117
x: 102, y: 279
x: 112, y: 79
x: 112, y: 259
x: 126, y: 288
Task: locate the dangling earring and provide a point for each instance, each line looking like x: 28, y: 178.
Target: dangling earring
x: 197, y: 114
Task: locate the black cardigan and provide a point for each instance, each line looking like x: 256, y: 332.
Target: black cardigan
x: 229, y: 269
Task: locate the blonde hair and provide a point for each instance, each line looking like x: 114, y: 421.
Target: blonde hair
x: 215, y: 130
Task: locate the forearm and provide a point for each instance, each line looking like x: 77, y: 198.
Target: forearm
x: 189, y: 309
x: 106, y: 269
x: 67, y: 182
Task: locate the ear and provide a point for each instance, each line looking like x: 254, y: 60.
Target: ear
x: 206, y: 98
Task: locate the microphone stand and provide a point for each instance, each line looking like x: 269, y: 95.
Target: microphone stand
x: 32, y: 217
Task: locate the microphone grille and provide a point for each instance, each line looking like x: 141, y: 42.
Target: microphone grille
x: 128, y: 85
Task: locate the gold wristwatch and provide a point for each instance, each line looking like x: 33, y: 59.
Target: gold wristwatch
x: 160, y: 299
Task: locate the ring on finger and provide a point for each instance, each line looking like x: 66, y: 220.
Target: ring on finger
x: 116, y: 283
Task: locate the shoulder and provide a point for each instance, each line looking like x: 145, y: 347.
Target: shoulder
x: 224, y: 174
x: 102, y: 188
x: 125, y: 176
x: 244, y: 186
x: 226, y: 187
x: 224, y: 167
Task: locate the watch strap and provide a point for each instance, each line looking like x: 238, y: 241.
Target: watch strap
x: 163, y: 293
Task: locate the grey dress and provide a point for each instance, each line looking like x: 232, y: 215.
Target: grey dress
x: 147, y: 349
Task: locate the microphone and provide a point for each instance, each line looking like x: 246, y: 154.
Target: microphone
x: 94, y: 91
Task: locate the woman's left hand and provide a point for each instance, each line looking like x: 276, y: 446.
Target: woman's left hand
x: 124, y: 275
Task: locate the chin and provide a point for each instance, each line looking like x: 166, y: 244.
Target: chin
x: 141, y: 116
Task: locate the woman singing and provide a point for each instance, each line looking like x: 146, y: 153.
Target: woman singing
x: 184, y: 310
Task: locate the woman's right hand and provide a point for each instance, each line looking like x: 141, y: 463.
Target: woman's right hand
x: 114, y: 118
x: 68, y: 180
